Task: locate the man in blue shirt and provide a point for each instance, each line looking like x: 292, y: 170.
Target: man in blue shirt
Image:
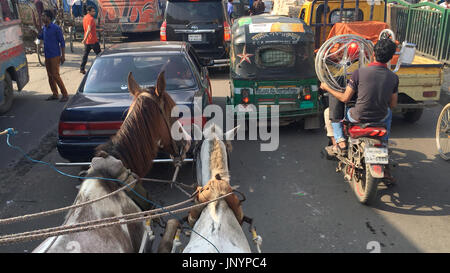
x: 54, y: 49
x: 230, y: 9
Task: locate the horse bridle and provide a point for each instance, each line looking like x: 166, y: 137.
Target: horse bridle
x: 168, y: 125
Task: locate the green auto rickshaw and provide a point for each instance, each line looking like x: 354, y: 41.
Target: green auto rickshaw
x: 272, y: 64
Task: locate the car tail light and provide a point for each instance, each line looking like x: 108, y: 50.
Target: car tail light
x: 429, y: 94
x: 245, y: 96
x: 162, y: 32
x: 106, y: 128
x: 226, y: 32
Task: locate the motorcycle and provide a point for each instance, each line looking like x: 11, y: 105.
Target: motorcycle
x: 366, y: 159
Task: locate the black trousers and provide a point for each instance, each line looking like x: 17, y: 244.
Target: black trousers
x: 87, y: 50
x: 336, y: 109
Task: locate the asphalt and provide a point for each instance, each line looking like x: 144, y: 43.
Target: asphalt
x: 298, y: 202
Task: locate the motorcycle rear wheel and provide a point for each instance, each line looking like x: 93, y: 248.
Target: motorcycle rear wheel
x: 365, y: 186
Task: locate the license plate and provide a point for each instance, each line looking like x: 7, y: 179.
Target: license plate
x: 375, y: 155
x: 194, y: 37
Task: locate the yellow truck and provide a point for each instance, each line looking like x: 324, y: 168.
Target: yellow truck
x: 420, y: 81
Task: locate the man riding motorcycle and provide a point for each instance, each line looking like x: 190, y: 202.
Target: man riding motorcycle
x: 376, y: 88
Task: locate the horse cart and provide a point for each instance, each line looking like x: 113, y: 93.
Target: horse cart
x: 104, y: 217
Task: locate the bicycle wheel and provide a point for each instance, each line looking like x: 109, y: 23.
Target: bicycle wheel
x: 71, y: 38
x: 443, y: 133
x: 40, y: 54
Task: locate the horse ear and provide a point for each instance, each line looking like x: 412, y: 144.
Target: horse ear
x: 133, y: 86
x: 231, y: 133
x: 160, y: 84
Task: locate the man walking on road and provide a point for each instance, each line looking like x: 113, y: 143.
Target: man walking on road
x: 90, y: 40
x: 54, y: 49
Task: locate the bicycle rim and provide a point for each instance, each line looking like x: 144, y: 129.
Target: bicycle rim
x: 443, y: 133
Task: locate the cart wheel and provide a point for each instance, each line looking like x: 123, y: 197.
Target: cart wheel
x: 8, y: 94
x: 40, y: 54
x: 443, y: 133
x: 339, y: 56
x: 71, y: 38
x: 104, y: 40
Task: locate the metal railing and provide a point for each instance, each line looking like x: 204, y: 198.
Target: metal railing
x: 425, y: 24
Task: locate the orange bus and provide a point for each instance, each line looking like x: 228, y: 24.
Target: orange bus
x: 131, y: 16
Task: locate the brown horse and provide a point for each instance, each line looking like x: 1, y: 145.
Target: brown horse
x: 145, y: 130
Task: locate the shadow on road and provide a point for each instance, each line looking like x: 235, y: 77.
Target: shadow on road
x: 420, y: 189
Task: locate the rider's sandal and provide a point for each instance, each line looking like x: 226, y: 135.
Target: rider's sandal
x: 338, y: 150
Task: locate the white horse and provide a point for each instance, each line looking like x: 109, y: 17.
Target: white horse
x: 217, y: 222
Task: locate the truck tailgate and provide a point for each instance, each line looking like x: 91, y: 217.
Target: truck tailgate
x: 423, y: 77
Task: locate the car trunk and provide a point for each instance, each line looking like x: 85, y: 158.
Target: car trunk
x: 199, y: 23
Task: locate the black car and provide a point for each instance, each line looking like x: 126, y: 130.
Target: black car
x: 203, y: 23
x: 97, y: 110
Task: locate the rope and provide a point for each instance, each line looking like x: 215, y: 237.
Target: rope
x: 55, y: 211
x: 10, y: 132
x: 93, y: 222
x: 91, y: 225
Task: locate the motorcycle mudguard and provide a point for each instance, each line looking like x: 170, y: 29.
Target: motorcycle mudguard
x: 376, y: 170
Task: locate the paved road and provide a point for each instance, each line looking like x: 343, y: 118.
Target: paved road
x: 298, y: 202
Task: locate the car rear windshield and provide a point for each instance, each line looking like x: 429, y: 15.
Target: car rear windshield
x: 184, y: 13
x: 110, y: 74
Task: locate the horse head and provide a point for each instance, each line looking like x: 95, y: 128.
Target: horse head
x: 214, y: 152
x: 161, y: 104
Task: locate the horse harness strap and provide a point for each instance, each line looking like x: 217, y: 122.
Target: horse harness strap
x: 214, y: 188
x: 166, y: 120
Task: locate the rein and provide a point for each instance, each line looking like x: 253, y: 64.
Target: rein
x: 167, y: 122
x: 102, y: 223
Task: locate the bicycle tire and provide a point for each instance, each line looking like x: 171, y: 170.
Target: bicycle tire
x: 71, y: 38
x: 40, y: 54
x: 443, y: 133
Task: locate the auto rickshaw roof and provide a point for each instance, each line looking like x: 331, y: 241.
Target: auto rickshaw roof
x: 267, y: 19
x: 247, y: 27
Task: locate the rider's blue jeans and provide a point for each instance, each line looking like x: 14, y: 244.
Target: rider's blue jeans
x: 339, y: 132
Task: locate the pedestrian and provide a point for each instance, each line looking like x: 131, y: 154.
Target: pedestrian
x: 54, y: 51
x: 258, y: 7
x: 90, y: 39
x: 40, y: 9
x: 230, y: 9
x: 250, y: 5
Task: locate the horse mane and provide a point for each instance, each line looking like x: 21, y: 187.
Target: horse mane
x: 134, y: 144
x: 218, y: 160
